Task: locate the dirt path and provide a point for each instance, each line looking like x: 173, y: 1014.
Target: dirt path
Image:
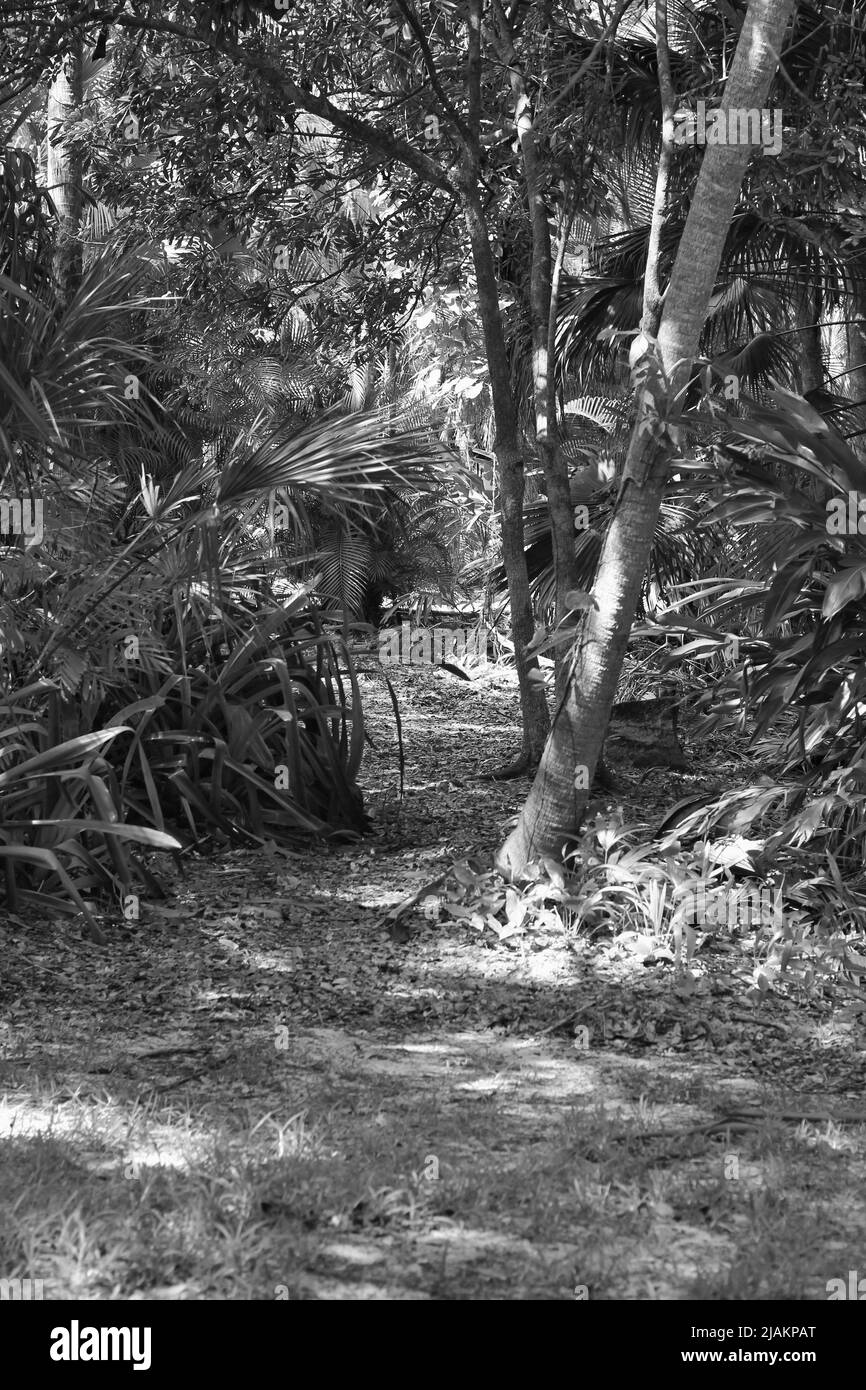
x: 256, y: 1092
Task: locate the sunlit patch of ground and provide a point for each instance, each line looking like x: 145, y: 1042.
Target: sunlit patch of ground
x: 254, y: 1093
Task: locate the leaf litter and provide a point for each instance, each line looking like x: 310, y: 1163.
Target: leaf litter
x: 410, y: 1081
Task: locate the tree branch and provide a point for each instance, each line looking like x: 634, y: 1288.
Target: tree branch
x: 447, y: 105
x: 374, y: 137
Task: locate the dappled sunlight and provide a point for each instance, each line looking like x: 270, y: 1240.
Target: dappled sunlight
x: 432, y: 663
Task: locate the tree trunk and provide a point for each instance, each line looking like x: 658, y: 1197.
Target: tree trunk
x: 811, y: 358
x: 507, y: 444
x: 653, y: 297
x: 847, y: 351
x: 541, y: 307
x: 856, y: 349
x: 811, y: 367
x: 542, y: 313
x: 64, y: 174
x: 509, y: 458
x: 555, y: 806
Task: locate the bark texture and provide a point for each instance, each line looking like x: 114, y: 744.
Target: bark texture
x: 555, y: 806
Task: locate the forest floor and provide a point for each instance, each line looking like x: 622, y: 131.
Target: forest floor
x: 256, y: 1092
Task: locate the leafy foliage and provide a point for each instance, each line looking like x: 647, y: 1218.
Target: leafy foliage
x: 153, y: 677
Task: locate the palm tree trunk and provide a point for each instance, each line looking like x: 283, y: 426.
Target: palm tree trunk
x: 849, y: 348
x: 811, y: 356
x: 555, y: 806
x: 64, y: 174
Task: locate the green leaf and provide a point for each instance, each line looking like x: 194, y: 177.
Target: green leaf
x: 844, y: 588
